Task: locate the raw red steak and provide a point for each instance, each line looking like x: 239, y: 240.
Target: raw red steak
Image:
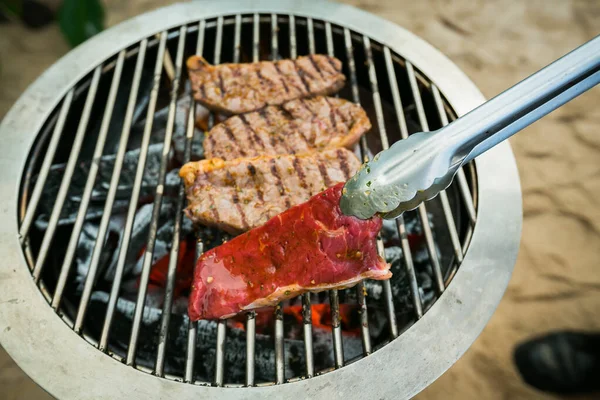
x: 310, y: 247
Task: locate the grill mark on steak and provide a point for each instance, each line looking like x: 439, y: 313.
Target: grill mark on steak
x: 285, y: 114
x: 236, y: 200
x: 342, y: 117
x: 343, y: 164
x: 278, y: 180
x: 275, y: 173
x: 324, y: 174
x: 245, y: 129
x: 211, y: 201
x: 251, y: 130
x: 309, y: 74
x: 252, y: 171
x: 266, y: 115
x: 281, y: 78
x: 211, y: 139
x: 297, y: 127
x: 247, y: 87
x: 331, y: 114
x: 301, y: 74
x: 313, y: 133
x: 314, y: 64
x: 203, y: 89
x: 300, y: 172
x: 333, y: 66
x: 305, y: 104
x: 221, y: 86
x: 263, y: 115
x: 232, y: 138
x: 259, y: 75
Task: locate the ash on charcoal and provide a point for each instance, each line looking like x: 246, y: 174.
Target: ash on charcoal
x: 85, y: 248
x: 98, y: 196
x: 159, y: 125
x: 114, y: 239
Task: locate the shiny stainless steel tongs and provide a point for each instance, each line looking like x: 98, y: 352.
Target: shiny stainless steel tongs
x: 418, y: 168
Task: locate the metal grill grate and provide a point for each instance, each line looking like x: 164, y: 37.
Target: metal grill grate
x: 142, y: 80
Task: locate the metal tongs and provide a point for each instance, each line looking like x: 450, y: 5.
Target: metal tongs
x: 418, y: 168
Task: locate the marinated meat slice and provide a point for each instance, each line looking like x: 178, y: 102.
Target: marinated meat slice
x: 241, y: 88
x: 244, y: 193
x: 296, y: 127
x: 310, y: 247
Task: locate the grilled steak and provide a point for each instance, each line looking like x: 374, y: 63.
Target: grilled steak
x: 244, y: 193
x: 310, y: 247
x: 241, y: 88
x: 296, y: 127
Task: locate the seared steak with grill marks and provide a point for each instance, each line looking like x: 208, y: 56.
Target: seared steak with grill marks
x: 310, y: 247
x: 244, y: 193
x: 241, y: 88
x: 296, y: 127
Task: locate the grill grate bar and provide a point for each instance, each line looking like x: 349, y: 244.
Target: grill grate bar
x: 338, y: 345
x: 306, y: 303
x: 400, y: 225
x: 221, y: 325
x: 279, y: 347
x: 89, y: 185
x: 387, y: 289
x: 191, y: 351
x: 256, y: 38
x: 149, y: 252
x: 274, y: 38
x: 463, y: 187
x: 308, y: 336
x: 410, y: 267
x: 458, y: 253
x: 220, y: 353
x: 251, y: 321
x: 174, y: 256
x: 45, y: 168
x: 110, y: 197
x: 360, y: 288
x: 311, y: 35
x: 460, y: 175
x: 338, y: 349
x: 293, y: 44
x: 237, y: 38
x: 389, y: 299
x: 422, y: 210
x: 133, y: 203
x: 68, y: 174
x: 192, y: 325
x: 250, y: 347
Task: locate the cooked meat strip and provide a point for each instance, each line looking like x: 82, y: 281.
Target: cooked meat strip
x: 244, y: 193
x: 241, y: 88
x: 310, y: 247
x: 296, y: 127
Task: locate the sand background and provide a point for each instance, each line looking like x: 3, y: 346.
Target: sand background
x: 556, y: 283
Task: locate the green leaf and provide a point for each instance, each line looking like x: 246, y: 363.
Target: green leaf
x: 79, y: 20
x: 11, y: 8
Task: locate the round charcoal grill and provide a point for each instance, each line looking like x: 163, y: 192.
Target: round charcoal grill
x: 96, y: 254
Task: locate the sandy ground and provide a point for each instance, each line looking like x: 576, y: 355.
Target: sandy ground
x: 556, y: 282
